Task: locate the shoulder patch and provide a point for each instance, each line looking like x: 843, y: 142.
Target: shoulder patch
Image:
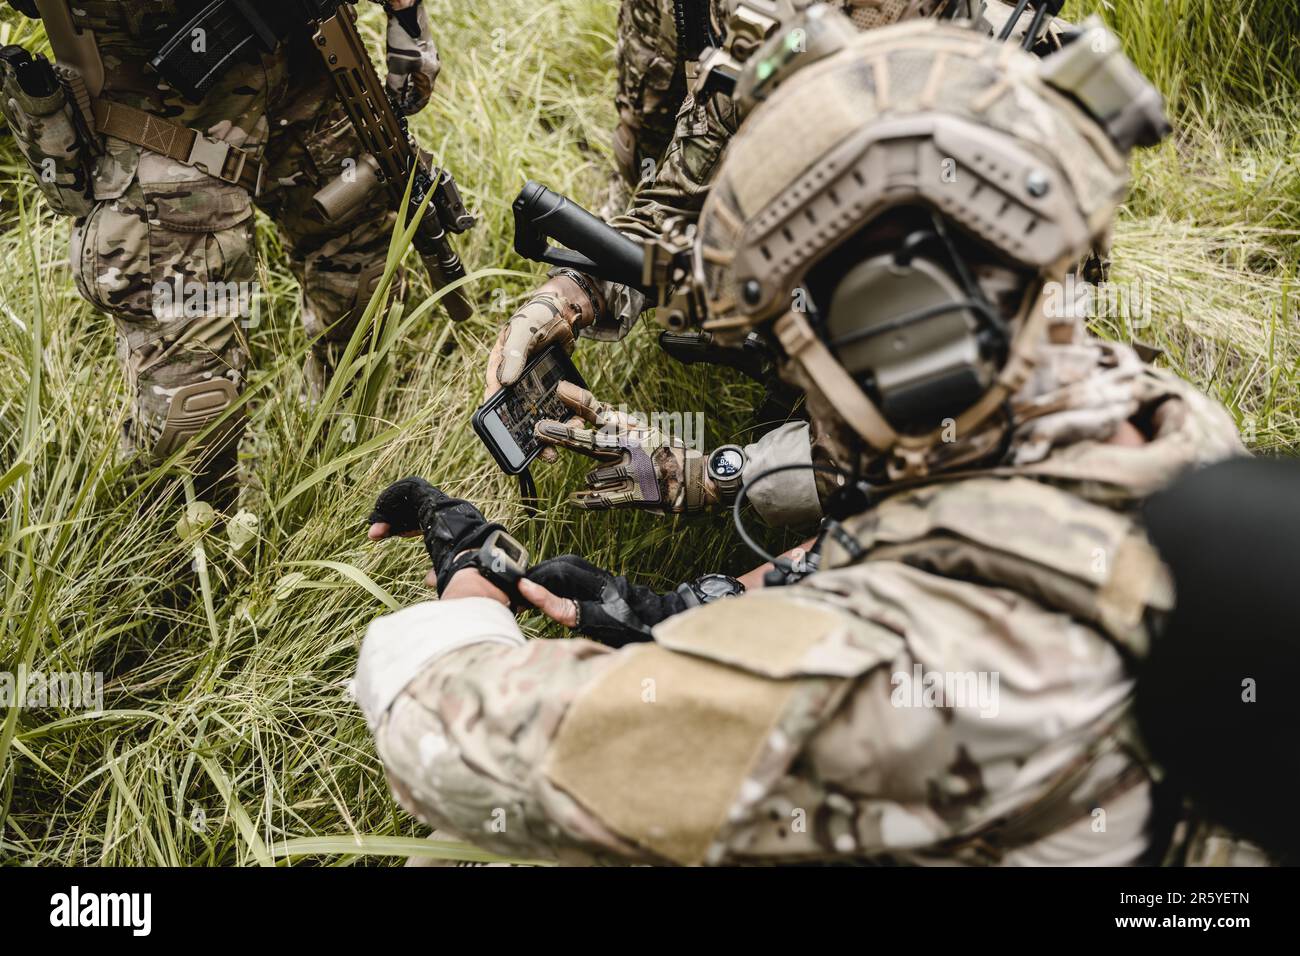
x: 658, y: 746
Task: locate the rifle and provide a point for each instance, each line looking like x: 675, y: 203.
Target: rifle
x: 236, y: 28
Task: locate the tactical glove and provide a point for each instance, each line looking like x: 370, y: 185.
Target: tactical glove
x: 413, y: 62
x: 453, y: 528
x: 554, y: 315
x: 615, y: 611
x: 641, y: 468
x: 611, y: 609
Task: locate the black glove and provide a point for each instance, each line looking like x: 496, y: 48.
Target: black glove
x: 450, y: 525
x: 611, y: 609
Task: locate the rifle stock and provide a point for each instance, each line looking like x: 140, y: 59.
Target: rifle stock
x: 598, y: 249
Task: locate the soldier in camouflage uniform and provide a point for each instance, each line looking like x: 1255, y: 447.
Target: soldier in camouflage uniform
x: 666, y: 145
x: 158, y: 239
x: 653, y: 90
x: 671, y: 179
x: 954, y: 684
x: 651, y: 86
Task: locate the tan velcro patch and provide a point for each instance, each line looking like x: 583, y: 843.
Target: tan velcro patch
x: 658, y: 747
x: 779, y: 633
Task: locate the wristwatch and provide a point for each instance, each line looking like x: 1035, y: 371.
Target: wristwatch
x: 503, y: 561
x: 709, y: 588
x: 725, y: 467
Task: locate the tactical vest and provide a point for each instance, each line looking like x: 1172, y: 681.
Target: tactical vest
x: 1067, y: 554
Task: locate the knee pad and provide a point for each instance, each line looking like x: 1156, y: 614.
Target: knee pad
x: 193, y: 408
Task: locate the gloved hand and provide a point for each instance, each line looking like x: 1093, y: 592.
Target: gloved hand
x: 554, y: 314
x: 641, y: 468
x: 605, y: 608
x: 413, y: 62
x: 450, y: 525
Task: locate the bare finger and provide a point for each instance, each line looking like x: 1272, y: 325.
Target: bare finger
x: 560, y: 610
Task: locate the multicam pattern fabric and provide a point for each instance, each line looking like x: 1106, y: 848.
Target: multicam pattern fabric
x: 684, y: 165
x: 651, y: 85
x: 855, y: 762
x: 156, y: 224
x: 49, y: 139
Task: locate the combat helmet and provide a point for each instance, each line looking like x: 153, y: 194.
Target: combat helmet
x: 890, y: 216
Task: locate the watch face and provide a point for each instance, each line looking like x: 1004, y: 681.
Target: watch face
x: 726, y: 463
x: 714, y: 586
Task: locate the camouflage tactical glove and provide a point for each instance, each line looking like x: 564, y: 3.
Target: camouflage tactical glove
x: 554, y: 315
x: 641, y: 468
x: 413, y: 62
x: 451, y: 526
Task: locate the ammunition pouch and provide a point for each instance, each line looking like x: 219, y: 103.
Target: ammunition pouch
x: 350, y: 191
x: 234, y: 30
x: 46, y: 128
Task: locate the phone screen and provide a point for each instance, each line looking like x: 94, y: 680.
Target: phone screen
x: 506, y: 422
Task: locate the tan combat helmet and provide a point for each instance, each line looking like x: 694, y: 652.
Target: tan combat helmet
x: 892, y: 213
x: 746, y: 24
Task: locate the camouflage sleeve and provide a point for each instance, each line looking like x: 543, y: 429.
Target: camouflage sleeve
x: 786, y: 725
x: 681, y: 183
x: 463, y: 711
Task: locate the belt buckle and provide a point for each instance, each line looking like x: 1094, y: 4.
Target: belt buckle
x: 213, y: 157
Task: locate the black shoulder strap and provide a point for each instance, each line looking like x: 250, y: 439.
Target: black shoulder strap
x: 26, y: 7
x: 693, y: 30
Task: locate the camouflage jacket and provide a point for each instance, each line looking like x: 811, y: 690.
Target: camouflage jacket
x: 954, y: 693
x: 676, y: 189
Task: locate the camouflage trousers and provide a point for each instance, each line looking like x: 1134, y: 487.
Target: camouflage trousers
x: 651, y: 85
x: 169, y: 252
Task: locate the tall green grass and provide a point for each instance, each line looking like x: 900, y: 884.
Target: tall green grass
x: 227, y: 736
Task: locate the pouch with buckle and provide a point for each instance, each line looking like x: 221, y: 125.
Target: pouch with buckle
x: 46, y: 131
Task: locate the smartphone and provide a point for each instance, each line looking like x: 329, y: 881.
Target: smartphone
x: 505, y: 421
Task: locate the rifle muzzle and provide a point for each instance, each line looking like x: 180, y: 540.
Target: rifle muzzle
x: 441, y: 273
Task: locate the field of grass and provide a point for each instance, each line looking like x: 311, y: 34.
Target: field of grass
x: 227, y: 736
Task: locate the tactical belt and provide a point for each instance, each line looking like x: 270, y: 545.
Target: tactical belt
x: 186, y: 146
